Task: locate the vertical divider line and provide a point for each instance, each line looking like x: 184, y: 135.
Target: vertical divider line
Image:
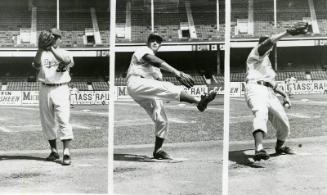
x: 226, y: 97
x: 58, y: 16
x: 112, y: 93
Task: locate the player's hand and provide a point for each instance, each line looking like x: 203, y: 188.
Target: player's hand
x: 287, y: 102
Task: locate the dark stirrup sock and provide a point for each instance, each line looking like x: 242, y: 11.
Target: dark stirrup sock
x: 158, y: 143
x: 279, y: 143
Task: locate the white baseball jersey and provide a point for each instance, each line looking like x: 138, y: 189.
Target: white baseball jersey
x: 54, y: 101
x: 140, y: 67
x: 48, y: 70
x: 262, y: 100
x: 259, y: 67
x: 145, y: 87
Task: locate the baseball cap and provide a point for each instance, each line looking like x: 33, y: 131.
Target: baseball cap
x: 55, y: 32
x: 154, y: 36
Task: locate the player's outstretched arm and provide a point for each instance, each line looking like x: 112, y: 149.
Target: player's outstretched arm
x: 298, y: 28
x: 268, y: 43
x: 156, y: 61
x: 183, y: 78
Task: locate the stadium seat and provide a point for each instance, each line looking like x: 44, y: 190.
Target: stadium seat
x: 100, y: 86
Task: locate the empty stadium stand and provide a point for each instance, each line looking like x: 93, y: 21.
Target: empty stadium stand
x: 23, y: 86
x: 318, y: 75
x: 14, y: 17
x: 35, y: 86
x: 75, y: 17
x: 321, y: 13
x: 218, y: 78
x: 120, y: 81
x: 237, y: 77
x: 83, y: 86
x: 100, y: 86
x: 282, y: 76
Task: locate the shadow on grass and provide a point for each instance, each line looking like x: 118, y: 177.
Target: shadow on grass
x: 19, y: 157
x: 133, y: 157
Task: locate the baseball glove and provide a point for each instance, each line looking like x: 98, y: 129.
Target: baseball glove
x: 185, y: 79
x: 62, y: 67
x: 298, y: 28
x: 46, y: 40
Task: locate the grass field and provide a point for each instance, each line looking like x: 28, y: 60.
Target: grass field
x: 308, y: 117
x: 187, y: 124
x: 20, y: 127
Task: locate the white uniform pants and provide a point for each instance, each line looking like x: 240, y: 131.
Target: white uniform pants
x: 54, y: 107
x: 156, y: 111
x: 150, y: 94
x: 265, y: 106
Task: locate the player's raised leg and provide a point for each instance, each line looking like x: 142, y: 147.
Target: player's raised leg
x: 142, y: 88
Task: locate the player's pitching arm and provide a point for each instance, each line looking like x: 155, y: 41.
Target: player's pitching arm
x: 183, y: 78
x: 157, y: 62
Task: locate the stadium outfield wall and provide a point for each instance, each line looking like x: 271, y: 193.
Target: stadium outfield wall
x: 102, y: 97
x: 237, y: 89
x: 16, y: 98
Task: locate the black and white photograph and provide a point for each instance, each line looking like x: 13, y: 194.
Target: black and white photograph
x: 168, y: 126
x: 54, y: 96
x: 278, y: 97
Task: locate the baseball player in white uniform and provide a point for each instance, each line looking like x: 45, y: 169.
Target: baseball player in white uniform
x: 54, y: 95
x: 260, y: 94
x: 73, y: 92
x: 290, y: 82
x: 145, y: 86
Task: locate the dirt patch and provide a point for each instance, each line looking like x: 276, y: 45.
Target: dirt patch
x: 281, y: 174
x: 199, y: 173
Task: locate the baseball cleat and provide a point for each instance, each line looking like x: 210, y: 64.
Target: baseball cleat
x: 261, y: 154
x: 161, y: 155
x: 205, y: 99
x: 53, y: 156
x: 66, y: 160
x: 284, y: 150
